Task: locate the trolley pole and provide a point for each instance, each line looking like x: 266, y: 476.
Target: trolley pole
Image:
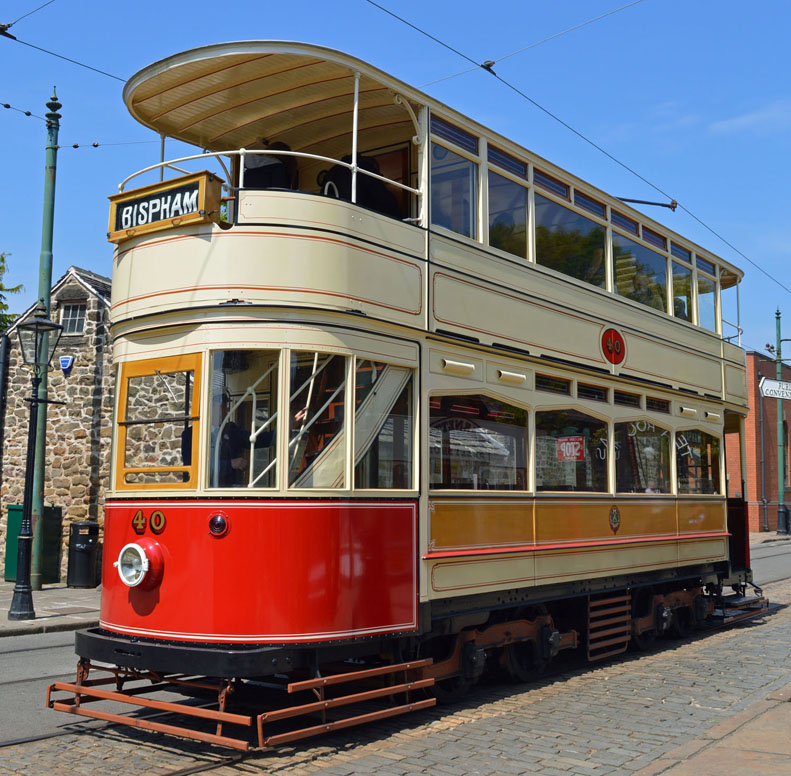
x: 782, y: 511
x: 44, y: 287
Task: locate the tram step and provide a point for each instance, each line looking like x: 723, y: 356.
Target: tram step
x: 352, y: 702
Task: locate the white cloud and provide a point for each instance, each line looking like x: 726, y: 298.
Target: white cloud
x: 775, y: 117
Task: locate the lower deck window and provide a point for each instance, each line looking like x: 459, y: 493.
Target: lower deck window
x: 243, y: 436
x: 698, y: 462
x: 477, y: 443
x: 642, y: 458
x: 571, y: 451
x: 383, y: 426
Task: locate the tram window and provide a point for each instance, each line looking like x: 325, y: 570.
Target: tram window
x: 477, y: 443
x: 697, y: 462
x: 507, y: 162
x: 680, y: 253
x: 243, y: 436
x: 640, y: 273
x: 642, y: 458
x: 551, y: 184
x: 157, y: 409
x: 626, y: 399
x: 571, y: 451
x: 595, y: 207
x: 657, y: 405
x: 592, y: 392
x: 682, y: 291
x: 317, y: 431
x: 707, y: 313
x: 456, y: 135
x: 705, y: 266
x: 553, y: 384
x: 729, y: 301
x: 383, y: 426
x: 649, y: 235
x: 626, y: 223
x: 569, y: 243
x: 507, y: 215
x: 453, y: 191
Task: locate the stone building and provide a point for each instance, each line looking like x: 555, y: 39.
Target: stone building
x: 78, y: 431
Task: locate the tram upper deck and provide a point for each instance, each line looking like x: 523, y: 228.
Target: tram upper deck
x: 337, y: 188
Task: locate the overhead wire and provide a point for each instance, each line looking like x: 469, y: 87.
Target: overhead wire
x: 68, y: 59
x: 539, y: 42
x: 30, y: 13
x: 488, y: 66
x: 20, y: 110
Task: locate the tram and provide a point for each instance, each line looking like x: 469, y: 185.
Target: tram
x: 398, y: 402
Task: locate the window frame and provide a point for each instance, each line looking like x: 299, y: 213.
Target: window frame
x: 189, y: 362
x: 66, y: 305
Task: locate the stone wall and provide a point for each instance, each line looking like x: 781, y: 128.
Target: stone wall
x: 78, y: 432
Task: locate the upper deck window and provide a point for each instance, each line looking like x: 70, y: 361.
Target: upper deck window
x: 640, y: 273
x: 569, y: 243
x: 682, y: 291
x: 455, y: 135
x: 507, y: 162
x: 707, y: 306
x: 705, y: 265
x: 507, y: 215
x: 454, y: 191
x: 680, y: 253
x: 551, y: 184
x: 650, y: 236
x: 626, y: 223
x: 584, y: 201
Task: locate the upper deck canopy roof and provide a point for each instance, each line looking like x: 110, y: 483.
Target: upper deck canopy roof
x: 231, y: 95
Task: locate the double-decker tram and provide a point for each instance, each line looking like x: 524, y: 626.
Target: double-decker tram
x: 398, y: 402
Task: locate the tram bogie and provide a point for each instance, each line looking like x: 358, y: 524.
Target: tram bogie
x: 399, y: 403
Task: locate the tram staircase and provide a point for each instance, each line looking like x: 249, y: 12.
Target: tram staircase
x: 345, y: 697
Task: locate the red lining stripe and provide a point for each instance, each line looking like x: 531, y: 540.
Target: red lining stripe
x: 573, y: 545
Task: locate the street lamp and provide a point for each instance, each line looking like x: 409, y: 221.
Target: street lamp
x: 38, y: 338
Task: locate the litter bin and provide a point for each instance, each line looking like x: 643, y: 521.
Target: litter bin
x: 50, y: 543
x: 83, y: 550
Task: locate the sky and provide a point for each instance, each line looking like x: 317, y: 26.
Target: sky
x: 692, y: 94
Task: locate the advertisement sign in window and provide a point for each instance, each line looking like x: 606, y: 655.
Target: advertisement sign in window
x: 570, y: 448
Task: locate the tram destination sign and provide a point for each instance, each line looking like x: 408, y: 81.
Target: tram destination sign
x: 189, y: 199
x: 774, y: 389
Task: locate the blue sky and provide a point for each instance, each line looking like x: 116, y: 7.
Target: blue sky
x: 693, y: 94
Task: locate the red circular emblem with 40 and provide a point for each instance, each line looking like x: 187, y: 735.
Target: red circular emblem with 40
x: 613, y: 346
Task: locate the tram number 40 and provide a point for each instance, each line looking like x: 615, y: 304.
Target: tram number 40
x: 156, y: 522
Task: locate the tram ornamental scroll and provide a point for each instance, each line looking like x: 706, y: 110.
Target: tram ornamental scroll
x: 186, y: 200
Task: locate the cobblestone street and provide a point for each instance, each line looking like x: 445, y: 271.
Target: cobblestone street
x: 642, y: 714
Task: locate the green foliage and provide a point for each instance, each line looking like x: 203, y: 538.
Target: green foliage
x: 6, y: 318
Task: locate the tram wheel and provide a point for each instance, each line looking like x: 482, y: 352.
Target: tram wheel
x: 681, y: 624
x: 523, y: 660
x: 641, y: 606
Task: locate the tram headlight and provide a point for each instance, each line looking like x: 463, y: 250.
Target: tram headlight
x: 140, y: 564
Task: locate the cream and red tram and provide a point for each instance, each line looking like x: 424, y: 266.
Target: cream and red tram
x: 396, y: 398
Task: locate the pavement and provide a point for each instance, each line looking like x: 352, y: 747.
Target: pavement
x: 742, y: 729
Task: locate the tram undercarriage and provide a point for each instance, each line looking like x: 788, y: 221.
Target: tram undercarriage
x: 279, y: 694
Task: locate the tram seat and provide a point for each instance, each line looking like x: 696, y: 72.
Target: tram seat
x: 270, y: 171
x: 371, y: 193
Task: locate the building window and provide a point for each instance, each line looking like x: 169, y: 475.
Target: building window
x: 72, y: 317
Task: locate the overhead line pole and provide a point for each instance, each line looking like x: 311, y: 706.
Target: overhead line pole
x: 44, y: 287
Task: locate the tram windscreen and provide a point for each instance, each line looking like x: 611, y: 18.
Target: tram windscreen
x: 317, y: 432
x: 156, y: 415
x: 243, y: 419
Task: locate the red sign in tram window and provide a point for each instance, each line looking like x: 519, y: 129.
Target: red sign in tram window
x: 570, y: 448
